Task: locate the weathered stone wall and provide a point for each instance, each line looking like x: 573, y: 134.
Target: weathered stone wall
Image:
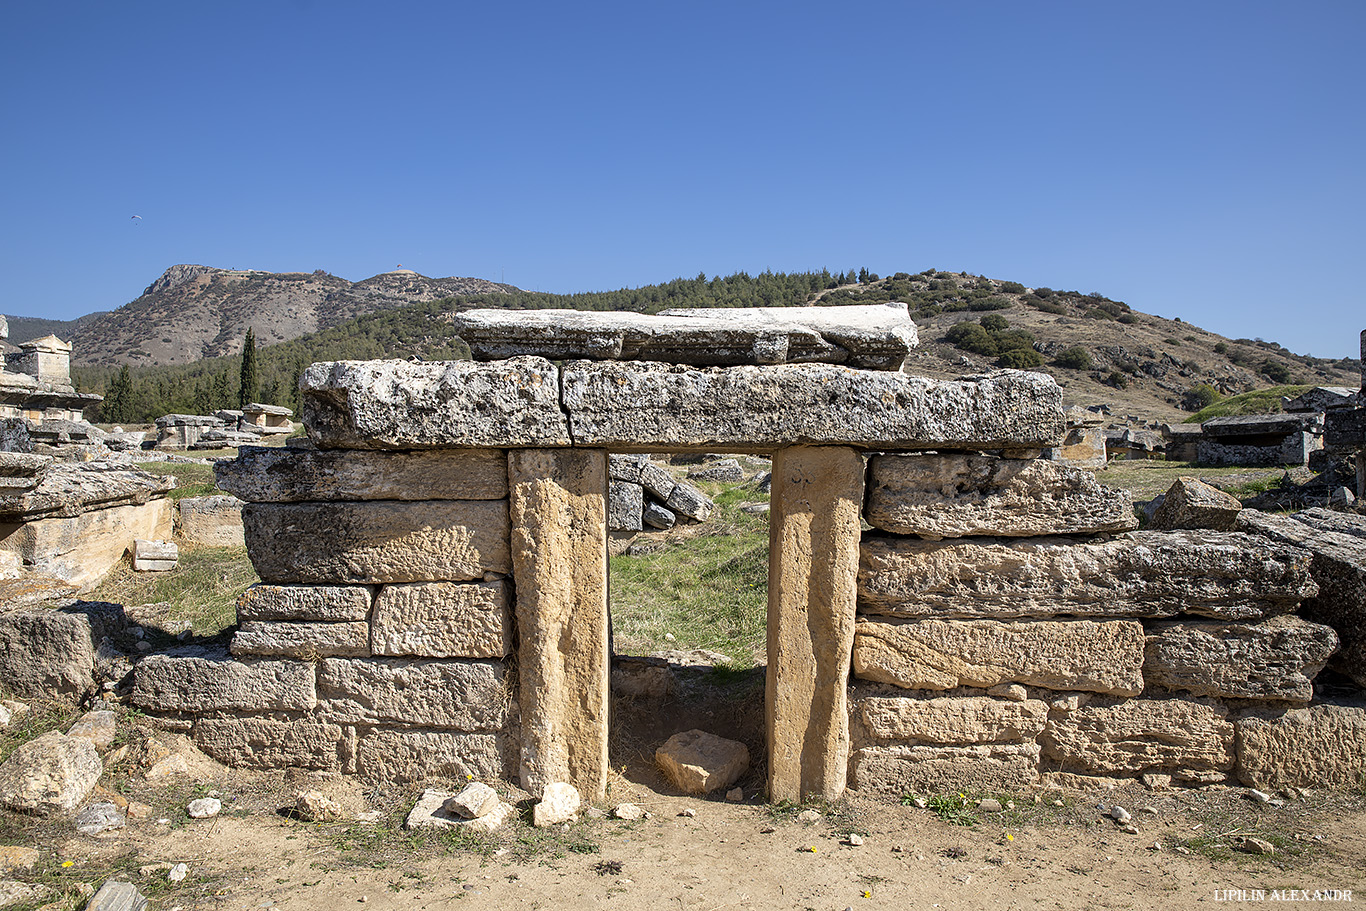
x: 435, y: 594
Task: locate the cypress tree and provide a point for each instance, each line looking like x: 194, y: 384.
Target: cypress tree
x: 250, y: 388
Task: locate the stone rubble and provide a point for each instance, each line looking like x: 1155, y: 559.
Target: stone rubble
x: 698, y: 762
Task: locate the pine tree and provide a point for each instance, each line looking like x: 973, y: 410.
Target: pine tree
x: 118, y: 398
x: 249, y: 389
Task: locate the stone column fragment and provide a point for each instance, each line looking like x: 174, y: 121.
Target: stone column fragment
x: 814, y: 532
x: 559, y: 564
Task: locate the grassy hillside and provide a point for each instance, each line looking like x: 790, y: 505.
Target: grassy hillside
x: 1099, y: 350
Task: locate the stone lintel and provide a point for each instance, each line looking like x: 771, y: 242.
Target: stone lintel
x: 270, y: 475
x: 816, y: 498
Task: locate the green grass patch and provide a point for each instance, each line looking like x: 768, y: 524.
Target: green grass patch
x: 707, y: 590
x: 1145, y: 478
x: 1258, y: 401
x: 202, y: 589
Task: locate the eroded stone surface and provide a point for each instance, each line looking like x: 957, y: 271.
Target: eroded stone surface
x: 302, y: 640
x: 950, y: 719
x: 267, y: 743
x: 1143, y: 574
x: 213, y: 521
x: 637, y: 406
x: 559, y: 555
x: 937, y: 769
x: 213, y: 682
x: 1276, y: 659
x: 384, y: 541
x: 814, y: 532
x: 959, y: 494
x: 463, y: 695
x: 1102, y: 657
x: 50, y: 774
x: 271, y: 475
x: 81, y: 549
x: 1191, y: 503
x: 402, y: 405
x: 698, y: 762
x: 316, y: 603
x: 1185, y: 739
x: 1323, y: 746
x: 408, y: 756
x: 443, y: 620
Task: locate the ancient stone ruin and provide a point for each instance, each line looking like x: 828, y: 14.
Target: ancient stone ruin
x: 434, y: 599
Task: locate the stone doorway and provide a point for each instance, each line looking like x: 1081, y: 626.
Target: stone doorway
x: 688, y: 609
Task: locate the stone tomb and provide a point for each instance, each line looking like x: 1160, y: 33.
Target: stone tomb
x: 434, y: 599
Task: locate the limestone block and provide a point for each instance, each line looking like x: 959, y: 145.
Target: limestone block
x: 937, y: 769
x: 687, y: 500
x: 430, y: 812
x: 657, y: 516
x: 1083, y: 447
x: 99, y: 727
x: 474, y: 800
x: 51, y: 774
x: 954, y: 495
x: 82, y: 549
x: 625, y: 506
x: 1100, y: 657
x: 302, y: 640
x: 559, y: 555
x: 950, y: 720
x: 1339, y: 568
x: 268, y: 743
x: 211, y: 681
x: 459, y: 695
x: 1191, y: 503
x: 1322, y: 746
x: 117, y: 896
x: 637, y: 406
x: 154, y: 556
x: 1276, y: 659
x: 1140, y: 574
x: 213, y: 521
x: 725, y: 471
x: 1177, y: 737
x: 383, y: 541
x: 559, y: 804
x: 71, y: 489
x: 45, y: 652
x: 402, y: 405
x: 698, y: 762
x: 401, y: 757
x: 315, y: 603
x: 443, y: 620
x: 814, y: 530
x: 271, y: 475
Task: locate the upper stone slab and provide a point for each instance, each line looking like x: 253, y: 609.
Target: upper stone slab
x: 876, y: 336
x: 640, y: 406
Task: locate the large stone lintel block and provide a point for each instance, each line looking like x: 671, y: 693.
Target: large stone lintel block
x: 1182, y: 738
x: 443, y: 620
x: 643, y: 406
x: 1224, y: 575
x: 81, y: 549
x: 213, y: 682
x: 271, y: 475
x: 816, y: 498
x: 458, y: 404
x: 268, y: 743
x: 306, y: 603
x: 954, y: 495
x: 380, y: 541
x: 1101, y: 657
x: 559, y: 555
x: 1276, y: 659
x: 459, y: 695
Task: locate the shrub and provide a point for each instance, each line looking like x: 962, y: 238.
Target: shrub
x: 1200, y: 397
x: 1074, y: 358
x: 1128, y: 319
x: 1275, y: 371
x: 1013, y: 338
x: 1221, y: 348
x: 1176, y: 342
x: 1012, y: 288
x: 990, y: 303
x: 1117, y: 380
x: 1097, y: 313
x: 971, y: 337
x: 1020, y: 359
x: 1039, y: 303
x: 994, y: 322
x: 1044, y: 293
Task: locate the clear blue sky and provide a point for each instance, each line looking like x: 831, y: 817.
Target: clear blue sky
x: 1196, y: 159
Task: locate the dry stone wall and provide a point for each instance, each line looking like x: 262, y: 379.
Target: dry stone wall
x: 434, y: 595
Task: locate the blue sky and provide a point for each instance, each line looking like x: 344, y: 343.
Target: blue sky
x: 1195, y: 159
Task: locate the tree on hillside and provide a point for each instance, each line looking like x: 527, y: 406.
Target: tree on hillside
x: 250, y: 388
x: 118, y: 398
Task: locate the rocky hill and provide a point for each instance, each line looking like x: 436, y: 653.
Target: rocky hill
x: 195, y: 312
